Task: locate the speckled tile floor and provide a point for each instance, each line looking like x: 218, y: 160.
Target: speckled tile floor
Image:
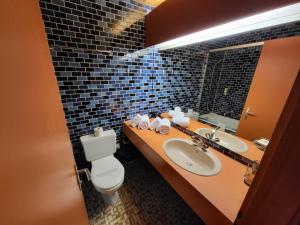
x: 145, y: 198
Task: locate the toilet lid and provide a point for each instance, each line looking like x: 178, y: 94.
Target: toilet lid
x: 107, y: 172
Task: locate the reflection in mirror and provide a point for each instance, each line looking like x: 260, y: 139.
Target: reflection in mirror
x: 227, y: 81
x: 213, y: 84
x: 224, y: 81
x: 216, y: 83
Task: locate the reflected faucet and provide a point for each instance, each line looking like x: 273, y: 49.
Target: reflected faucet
x: 211, y: 136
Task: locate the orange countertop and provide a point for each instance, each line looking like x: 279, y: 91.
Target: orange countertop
x: 224, y: 191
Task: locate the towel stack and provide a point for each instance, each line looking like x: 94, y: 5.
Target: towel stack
x: 154, y: 124
x: 181, y: 121
x: 176, y: 112
x: 141, y: 122
x: 179, y: 118
x: 192, y: 114
x: 161, y: 126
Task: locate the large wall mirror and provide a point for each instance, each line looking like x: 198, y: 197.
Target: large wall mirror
x: 234, y: 83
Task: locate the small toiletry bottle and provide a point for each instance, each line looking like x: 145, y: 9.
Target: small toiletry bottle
x: 250, y: 172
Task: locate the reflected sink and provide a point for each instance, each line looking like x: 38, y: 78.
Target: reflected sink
x: 228, y: 141
x: 191, y: 158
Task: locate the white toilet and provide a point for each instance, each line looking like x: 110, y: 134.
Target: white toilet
x: 107, y: 173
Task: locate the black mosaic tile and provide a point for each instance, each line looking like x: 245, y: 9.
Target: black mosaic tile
x: 234, y: 70
x: 99, y: 87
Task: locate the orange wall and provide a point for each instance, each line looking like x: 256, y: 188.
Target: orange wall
x: 276, y: 71
x: 38, y: 184
x: 175, y: 18
x: 273, y: 197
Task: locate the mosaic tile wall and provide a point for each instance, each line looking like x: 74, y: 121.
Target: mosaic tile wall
x: 233, y: 69
x: 178, y: 78
x: 100, y: 81
x: 101, y: 85
x: 98, y: 86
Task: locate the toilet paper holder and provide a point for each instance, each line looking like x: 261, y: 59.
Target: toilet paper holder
x: 78, y: 172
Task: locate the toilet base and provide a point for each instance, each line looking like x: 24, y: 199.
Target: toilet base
x: 110, y: 198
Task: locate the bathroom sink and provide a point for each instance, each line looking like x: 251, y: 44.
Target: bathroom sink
x: 226, y: 140
x: 191, y: 158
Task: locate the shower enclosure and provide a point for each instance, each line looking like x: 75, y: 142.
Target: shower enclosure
x: 228, y: 75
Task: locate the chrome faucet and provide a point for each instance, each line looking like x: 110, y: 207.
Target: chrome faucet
x: 211, y: 136
x: 199, y: 142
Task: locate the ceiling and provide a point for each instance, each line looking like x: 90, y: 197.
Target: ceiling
x: 132, y: 16
x: 153, y: 3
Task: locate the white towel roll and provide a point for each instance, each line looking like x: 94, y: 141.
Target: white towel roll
x: 179, y: 114
x: 177, y: 109
x: 154, y: 123
x: 144, y: 122
x: 136, y: 120
x: 164, y: 126
x: 173, y: 113
x: 190, y: 112
x: 181, y: 121
x: 194, y: 115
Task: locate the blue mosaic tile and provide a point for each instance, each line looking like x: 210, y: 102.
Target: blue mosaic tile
x: 99, y: 86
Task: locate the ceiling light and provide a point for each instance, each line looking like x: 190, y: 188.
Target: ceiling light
x: 266, y: 19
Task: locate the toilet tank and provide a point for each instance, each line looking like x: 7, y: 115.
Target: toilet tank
x: 99, y: 147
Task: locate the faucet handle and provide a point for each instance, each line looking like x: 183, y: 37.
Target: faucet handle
x: 196, y: 139
x: 199, y: 141
x: 217, y: 140
x: 207, y: 135
x: 205, y: 145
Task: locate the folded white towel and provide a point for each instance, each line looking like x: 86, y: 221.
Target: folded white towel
x: 154, y: 123
x: 164, y: 126
x: 193, y: 115
x: 190, y: 112
x: 181, y: 121
x: 173, y: 113
x: 136, y: 120
x: 177, y: 109
x: 179, y: 114
x: 144, y: 122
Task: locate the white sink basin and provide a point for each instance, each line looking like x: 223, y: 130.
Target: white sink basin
x: 228, y: 141
x: 183, y: 152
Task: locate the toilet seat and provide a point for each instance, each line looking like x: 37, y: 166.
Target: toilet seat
x: 107, y: 174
